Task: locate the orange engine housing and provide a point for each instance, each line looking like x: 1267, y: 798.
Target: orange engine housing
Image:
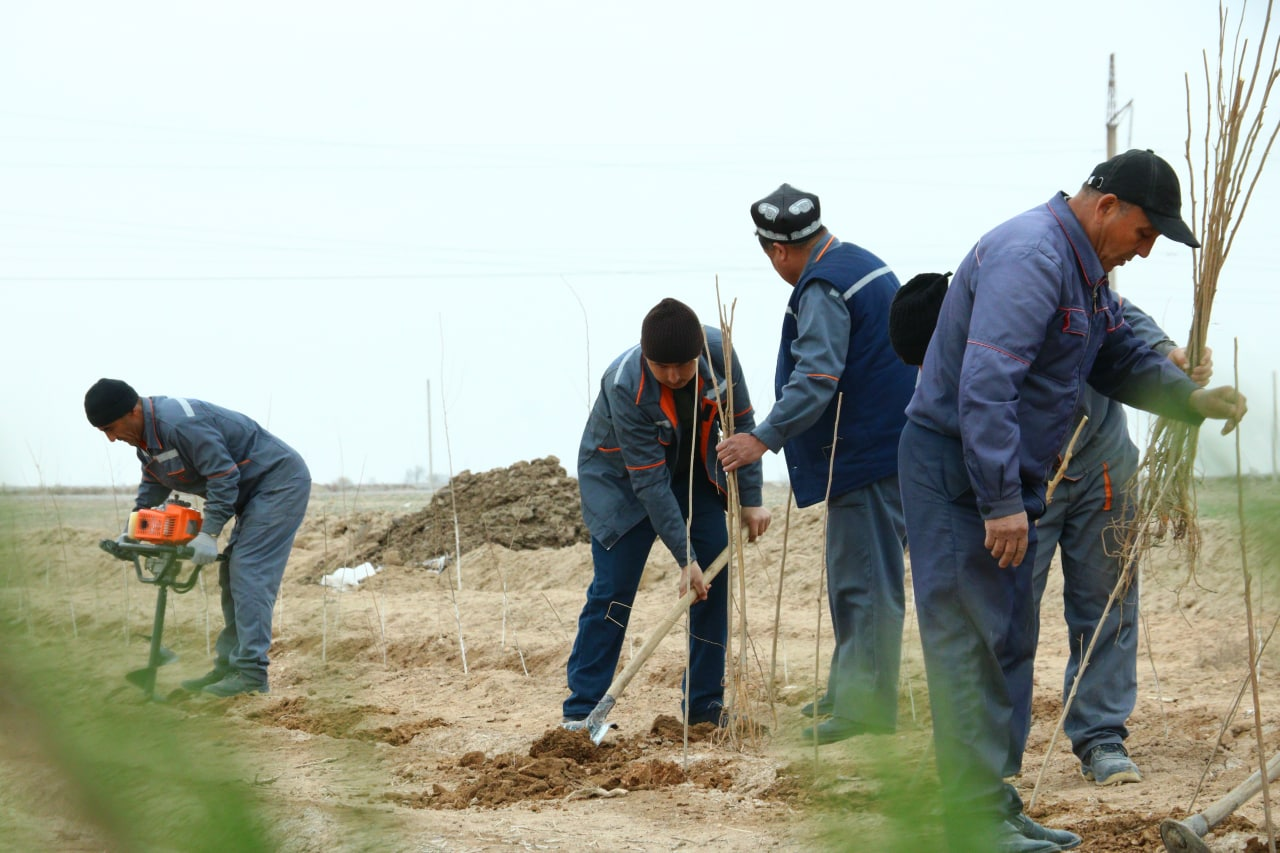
x: 171, y: 524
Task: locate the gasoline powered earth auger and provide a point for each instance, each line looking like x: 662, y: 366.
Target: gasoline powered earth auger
x: 156, y: 543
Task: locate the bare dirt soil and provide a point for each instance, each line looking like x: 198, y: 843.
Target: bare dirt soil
x: 420, y: 711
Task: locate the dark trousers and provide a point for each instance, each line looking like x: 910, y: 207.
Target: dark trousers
x: 865, y: 538
x: 603, y: 622
x: 1086, y: 520
x: 250, y: 579
x: 977, y: 629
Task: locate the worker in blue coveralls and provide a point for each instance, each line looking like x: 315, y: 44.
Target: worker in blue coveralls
x: 1086, y: 522
x: 1091, y: 508
x: 240, y: 470
x: 647, y: 469
x: 1027, y: 320
x: 835, y: 362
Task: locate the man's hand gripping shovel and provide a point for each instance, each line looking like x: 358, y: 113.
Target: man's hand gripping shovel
x: 163, y: 568
x: 595, y: 723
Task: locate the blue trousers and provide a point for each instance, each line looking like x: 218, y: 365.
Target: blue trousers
x: 250, y: 579
x: 977, y: 629
x: 865, y: 578
x: 603, y: 622
x: 1084, y: 522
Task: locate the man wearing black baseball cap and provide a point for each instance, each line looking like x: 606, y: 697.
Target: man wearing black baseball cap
x: 1028, y: 319
x: 1139, y: 177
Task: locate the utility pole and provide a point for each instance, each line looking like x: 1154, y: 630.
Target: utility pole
x: 1113, y: 121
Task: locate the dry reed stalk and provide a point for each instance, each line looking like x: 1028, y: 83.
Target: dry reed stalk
x: 324, y: 601
x: 742, y: 722
x: 586, y: 328
x: 1234, y: 126
x: 777, y: 612
x: 1066, y: 460
x: 204, y: 595
x: 1253, y: 650
x: 822, y: 576
x: 62, y: 544
x: 559, y: 621
x: 382, y: 625
x: 453, y: 500
x: 1226, y: 721
x: 502, y: 577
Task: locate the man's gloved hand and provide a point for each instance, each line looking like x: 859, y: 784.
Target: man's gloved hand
x: 205, y: 548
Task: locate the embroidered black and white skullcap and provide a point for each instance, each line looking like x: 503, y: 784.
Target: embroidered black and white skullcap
x: 787, y: 215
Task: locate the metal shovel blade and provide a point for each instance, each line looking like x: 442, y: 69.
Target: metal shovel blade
x: 595, y: 723
x: 1178, y: 837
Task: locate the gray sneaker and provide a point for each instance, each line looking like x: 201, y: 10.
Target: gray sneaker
x: 234, y: 684
x: 1028, y: 828
x: 1008, y: 839
x: 213, y: 676
x: 1109, y: 764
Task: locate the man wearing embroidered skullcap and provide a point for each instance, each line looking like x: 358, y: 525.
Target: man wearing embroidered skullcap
x: 1028, y: 319
x: 241, y: 471
x: 647, y: 469
x: 840, y: 393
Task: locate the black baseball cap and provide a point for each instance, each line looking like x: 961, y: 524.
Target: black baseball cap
x: 787, y: 215
x: 1140, y: 177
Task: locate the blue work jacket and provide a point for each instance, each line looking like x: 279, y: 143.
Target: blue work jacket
x: 1028, y: 320
x: 198, y: 448
x: 835, y: 354
x: 623, y: 474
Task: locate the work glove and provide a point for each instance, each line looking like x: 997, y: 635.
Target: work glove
x: 205, y: 548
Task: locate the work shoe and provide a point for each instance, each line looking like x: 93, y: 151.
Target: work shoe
x: 235, y: 683
x: 1109, y: 764
x: 1009, y: 840
x: 822, y: 708
x: 715, y: 713
x: 840, y: 728
x: 213, y: 676
x: 1028, y: 828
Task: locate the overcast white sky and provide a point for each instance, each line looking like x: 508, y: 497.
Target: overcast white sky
x: 308, y: 211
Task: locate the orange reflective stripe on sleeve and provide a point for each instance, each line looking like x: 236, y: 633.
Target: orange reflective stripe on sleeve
x: 1106, y: 487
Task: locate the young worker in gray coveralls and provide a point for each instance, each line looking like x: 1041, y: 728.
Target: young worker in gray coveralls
x: 835, y: 342
x: 646, y: 464
x: 240, y: 470
x: 1086, y: 520
x: 1028, y: 318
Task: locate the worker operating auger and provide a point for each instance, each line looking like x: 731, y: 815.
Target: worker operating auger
x: 241, y: 471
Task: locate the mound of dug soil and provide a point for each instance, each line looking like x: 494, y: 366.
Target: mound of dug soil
x: 527, y: 506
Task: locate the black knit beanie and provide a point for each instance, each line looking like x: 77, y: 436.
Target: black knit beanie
x: 671, y: 333
x: 108, y: 401
x: 913, y: 314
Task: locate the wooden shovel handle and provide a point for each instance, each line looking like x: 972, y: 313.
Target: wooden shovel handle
x: 664, y: 627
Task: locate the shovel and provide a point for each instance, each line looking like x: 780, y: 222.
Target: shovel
x: 595, y: 723
x: 1184, y: 836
